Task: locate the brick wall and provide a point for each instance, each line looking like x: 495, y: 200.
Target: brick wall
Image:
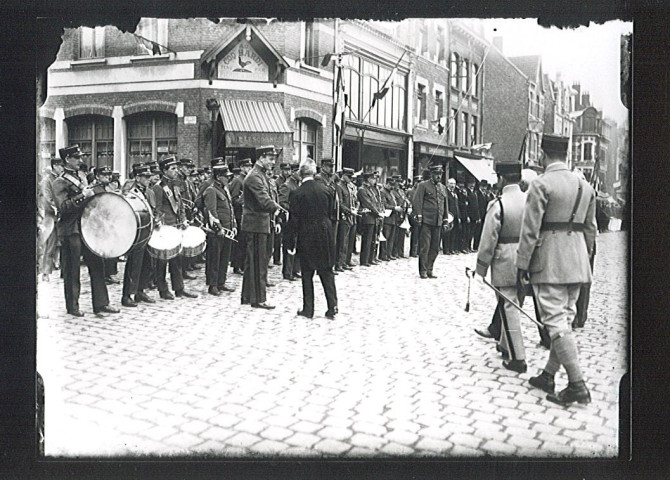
x: 505, y: 107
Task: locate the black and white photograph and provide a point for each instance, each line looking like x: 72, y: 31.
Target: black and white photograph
x: 334, y: 238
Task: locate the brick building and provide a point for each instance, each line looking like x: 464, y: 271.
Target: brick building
x: 199, y: 89
x: 558, y: 105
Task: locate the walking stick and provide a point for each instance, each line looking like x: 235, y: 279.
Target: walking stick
x: 467, y: 274
x: 512, y: 303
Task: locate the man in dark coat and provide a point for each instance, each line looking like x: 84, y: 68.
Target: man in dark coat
x: 464, y: 221
x: 483, y: 201
x: 284, y: 174
x: 389, y: 223
x: 451, y: 237
x: 347, y: 198
x: 236, y: 186
x: 403, y: 203
x: 371, y: 211
x: 430, y: 208
x: 258, y: 207
x: 311, y: 231
x: 473, y: 215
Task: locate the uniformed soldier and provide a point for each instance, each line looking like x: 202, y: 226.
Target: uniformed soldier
x: 403, y: 203
x: 371, y: 211
x: 389, y: 223
x: 431, y: 210
x: 223, y: 227
x: 236, y: 192
x: 284, y: 174
x: 170, y: 211
x: 499, y: 242
x: 136, y: 274
x: 291, y: 265
x: 48, y: 216
x: 557, y: 236
x: 257, y: 208
x: 348, y: 211
x: 275, y: 221
x: 70, y: 195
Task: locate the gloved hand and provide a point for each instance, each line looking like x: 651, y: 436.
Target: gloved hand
x: 277, y: 228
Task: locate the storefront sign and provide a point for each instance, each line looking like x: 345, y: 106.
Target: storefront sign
x: 190, y: 120
x: 243, y: 63
x: 440, y: 151
x: 256, y: 139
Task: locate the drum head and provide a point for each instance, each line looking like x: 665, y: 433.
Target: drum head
x: 108, y: 225
x: 193, y: 237
x: 165, y: 238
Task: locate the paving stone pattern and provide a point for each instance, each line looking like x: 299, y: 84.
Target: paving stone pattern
x: 399, y: 372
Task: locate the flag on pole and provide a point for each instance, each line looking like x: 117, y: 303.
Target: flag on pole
x: 388, y: 83
x: 151, y: 47
x: 339, y: 107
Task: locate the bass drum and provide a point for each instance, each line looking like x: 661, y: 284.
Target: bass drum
x: 165, y: 243
x: 193, y: 241
x: 113, y: 224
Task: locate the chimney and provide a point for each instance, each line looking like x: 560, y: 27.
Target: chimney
x: 498, y: 43
x: 586, y: 99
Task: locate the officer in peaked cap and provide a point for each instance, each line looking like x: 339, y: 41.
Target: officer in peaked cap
x: 235, y: 188
x: 557, y: 235
x: 431, y: 210
x: 371, y: 204
x: 70, y: 152
x: 403, y: 203
x: 499, y: 242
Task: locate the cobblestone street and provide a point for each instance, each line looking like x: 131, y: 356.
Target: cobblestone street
x: 399, y: 372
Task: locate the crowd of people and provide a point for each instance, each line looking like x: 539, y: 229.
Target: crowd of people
x: 258, y: 215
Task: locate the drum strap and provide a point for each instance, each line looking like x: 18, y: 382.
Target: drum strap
x: 171, y: 198
x: 73, y: 180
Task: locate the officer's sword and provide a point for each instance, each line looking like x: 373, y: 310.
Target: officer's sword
x: 512, y: 303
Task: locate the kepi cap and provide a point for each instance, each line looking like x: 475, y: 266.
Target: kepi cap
x: 266, y: 150
x: 142, y: 170
x: 348, y: 171
x: 105, y: 170
x: 72, y: 151
x: 555, y: 144
x: 508, y: 168
x: 246, y: 162
x: 167, y: 162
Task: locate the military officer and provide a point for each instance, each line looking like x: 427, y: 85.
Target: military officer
x: 557, y: 235
x: 70, y: 195
x: 275, y: 221
x: 236, y: 192
x: 221, y: 220
x: 389, y: 223
x: 403, y: 203
x: 170, y: 211
x: 371, y: 211
x: 284, y: 174
x: 497, y: 250
x: 134, y: 281
x: 431, y: 210
x: 291, y: 265
x: 347, y: 200
x: 257, y: 209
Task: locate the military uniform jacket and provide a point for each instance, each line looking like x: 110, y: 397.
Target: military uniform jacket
x: 46, y: 204
x: 346, y: 193
x: 328, y: 181
x: 219, y: 205
x: 548, y: 250
x: 430, y: 201
x: 258, y: 204
x: 169, y: 205
x: 389, y: 203
x: 500, y: 237
x: 285, y: 190
x: 401, y: 201
x: 369, y: 198
x: 69, y: 201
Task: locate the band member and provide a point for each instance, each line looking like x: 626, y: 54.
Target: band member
x: 48, y: 217
x: 291, y: 265
x: 284, y: 174
x: 136, y: 274
x: 389, y: 223
x: 221, y: 220
x: 311, y: 231
x: 70, y: 195
x: 403, y: 203
x: 257, y: 210
x: 451, y: 237
x: 499, y: 242
x: 102, y: 182
x: 170, y: 211
x: 430, y: 208
x: 371, y: 211
x: 236, y: 192
x: 347, y: 199
x: 557, y: 236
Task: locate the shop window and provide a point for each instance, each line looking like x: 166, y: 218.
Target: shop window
x: 47, y: 137
x: 91, y: 42
x: 95, y: 136
x: 308, y: 45
x: 151, y: 136
x: 453, y: 70
x: 304, y: 139
x: 154, y: 29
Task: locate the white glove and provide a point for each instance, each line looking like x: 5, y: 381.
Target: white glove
x: 277, y: 228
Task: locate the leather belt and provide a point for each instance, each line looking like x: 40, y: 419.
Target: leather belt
x: 562, y: 227
x: 508, y: 240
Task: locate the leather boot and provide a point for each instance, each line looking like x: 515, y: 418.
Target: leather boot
x: 544, y: 382
x: 575, y: 392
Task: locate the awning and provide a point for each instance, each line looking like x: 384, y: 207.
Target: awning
x: 480, y: 169
x: 250, y: 116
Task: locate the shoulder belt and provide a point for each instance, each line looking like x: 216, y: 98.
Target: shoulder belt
x: 171, y: 198
x: 570, y: 225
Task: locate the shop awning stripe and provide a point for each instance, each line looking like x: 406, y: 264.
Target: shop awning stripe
x: 480, y: 169
x: 250, y: 116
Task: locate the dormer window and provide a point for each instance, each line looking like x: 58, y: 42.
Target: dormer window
x: 91, y: 42
x: 154, y: 30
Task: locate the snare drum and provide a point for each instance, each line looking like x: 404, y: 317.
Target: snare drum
x: 193, y: 241
x: 112, y: 224
x: 165, y: 243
